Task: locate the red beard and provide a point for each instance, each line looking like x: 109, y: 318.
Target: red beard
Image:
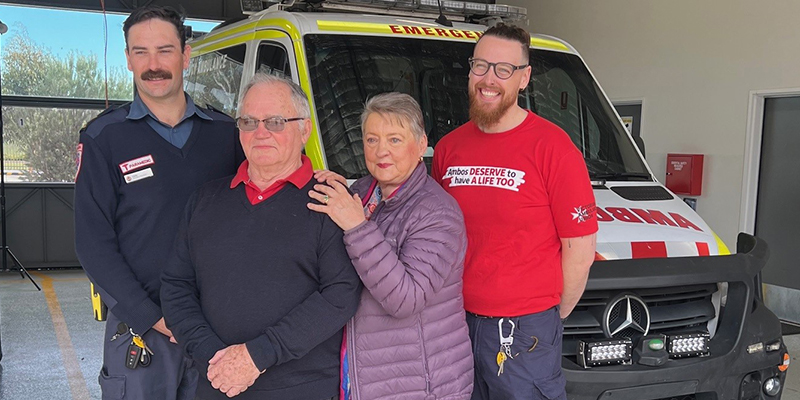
x: 484, y: 116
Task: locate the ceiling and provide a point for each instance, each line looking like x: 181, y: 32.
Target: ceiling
x: 220, y: 10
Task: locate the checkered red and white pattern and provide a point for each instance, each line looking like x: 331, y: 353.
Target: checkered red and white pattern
x: 618, y: 251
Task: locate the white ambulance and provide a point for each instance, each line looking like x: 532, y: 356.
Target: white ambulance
x: 667, y: 313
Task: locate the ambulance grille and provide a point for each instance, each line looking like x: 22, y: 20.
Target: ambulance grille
x: 642, y: 193
x: 672, y: 309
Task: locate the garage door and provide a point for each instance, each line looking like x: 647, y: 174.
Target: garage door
x: 777, y: 212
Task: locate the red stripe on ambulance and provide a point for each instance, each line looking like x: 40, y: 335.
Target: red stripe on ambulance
x: 702, y: 249
x: 648, y: 250
x: 640, y: 216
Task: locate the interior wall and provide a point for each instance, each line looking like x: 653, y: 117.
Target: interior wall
x: 694, y: 63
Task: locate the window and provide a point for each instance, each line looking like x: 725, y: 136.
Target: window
x: 214, y: 78
x: 346, y: 70
x: 40, y: 58
x: 40, y: 143
x: 562, y: 91
x: 53, y: 83
x: 273, y: 60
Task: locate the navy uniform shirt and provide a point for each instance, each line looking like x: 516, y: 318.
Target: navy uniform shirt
x: 178, y: 134
x: 130, y: 191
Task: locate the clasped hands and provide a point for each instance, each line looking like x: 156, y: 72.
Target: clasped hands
x: 232, y: 370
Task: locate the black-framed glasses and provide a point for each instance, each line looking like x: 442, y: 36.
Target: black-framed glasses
x: 273, y: 124
x: 502, y: 70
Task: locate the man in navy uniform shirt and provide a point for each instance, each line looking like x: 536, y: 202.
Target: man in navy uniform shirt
x: 138, y: 165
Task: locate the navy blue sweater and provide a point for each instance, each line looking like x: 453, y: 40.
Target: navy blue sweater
x: 274, y: 276
x: 126, y: 220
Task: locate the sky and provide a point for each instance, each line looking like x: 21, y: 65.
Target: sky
x: 62, y: 31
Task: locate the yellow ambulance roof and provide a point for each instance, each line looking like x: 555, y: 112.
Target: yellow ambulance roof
x: 298, y: 24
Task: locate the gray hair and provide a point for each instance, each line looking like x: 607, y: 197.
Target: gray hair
x: 400, y: 106
x: 298, y: 96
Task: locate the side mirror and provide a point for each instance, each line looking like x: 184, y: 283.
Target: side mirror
x: 640, y: 144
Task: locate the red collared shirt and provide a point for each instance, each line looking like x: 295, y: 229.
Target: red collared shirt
x: 298, y: 178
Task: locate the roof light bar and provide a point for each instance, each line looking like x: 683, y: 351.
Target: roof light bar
x: 464, y: 9
x: 250, y: 7
x: 475, y: 8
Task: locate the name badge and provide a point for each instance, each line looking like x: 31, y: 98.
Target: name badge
x: 138, y: 175
x: 136, y: 163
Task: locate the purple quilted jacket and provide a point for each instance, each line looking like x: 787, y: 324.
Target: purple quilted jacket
x: 409, y: 337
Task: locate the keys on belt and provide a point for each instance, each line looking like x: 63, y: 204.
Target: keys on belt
x: 139, y: 354
x: 505, y: 344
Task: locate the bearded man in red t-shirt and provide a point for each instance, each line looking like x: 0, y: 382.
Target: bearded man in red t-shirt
x: 531, y: 226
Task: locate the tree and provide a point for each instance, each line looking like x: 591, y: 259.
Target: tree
x: 47, y: 137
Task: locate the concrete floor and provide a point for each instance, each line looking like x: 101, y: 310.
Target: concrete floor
x: 52, y: 346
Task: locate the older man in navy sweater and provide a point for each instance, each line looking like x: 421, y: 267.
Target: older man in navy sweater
x: 261, y: 286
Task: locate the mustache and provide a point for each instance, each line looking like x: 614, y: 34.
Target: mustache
x: 156, y: 74
x: 495, y: 88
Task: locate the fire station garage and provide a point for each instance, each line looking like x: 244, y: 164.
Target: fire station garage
x: 686, y: 114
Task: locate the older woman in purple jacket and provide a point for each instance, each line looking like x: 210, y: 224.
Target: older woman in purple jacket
x: 405, y: 236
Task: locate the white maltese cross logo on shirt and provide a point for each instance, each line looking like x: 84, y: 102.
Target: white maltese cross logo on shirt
x: 581, y: 214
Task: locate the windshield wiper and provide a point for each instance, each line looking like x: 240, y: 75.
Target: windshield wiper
x: 624, y: 176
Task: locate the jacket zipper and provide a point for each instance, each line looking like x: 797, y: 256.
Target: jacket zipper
x: 424, y: 356
x: 374, y: 216
x: 351, y: 340
x: 351, y: 359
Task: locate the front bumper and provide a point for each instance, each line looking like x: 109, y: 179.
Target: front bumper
x: 729, y: 371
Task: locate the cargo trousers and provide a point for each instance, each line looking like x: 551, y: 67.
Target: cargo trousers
x: 534, y: 372
x: 170, y: 375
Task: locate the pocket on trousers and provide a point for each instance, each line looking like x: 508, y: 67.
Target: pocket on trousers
x: 552, y: 387
x: 113, y: 387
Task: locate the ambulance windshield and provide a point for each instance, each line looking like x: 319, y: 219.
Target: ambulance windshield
x: 346, y: 70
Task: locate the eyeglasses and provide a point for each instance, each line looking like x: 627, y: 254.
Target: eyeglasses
x: 272, y: 124
x: 503, y: 70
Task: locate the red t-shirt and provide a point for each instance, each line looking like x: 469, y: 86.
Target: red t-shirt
x: 521, y: 191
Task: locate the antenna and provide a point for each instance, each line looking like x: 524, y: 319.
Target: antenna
x: 442, y: 20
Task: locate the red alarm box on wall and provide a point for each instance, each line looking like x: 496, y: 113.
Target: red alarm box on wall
x: 685, y: 174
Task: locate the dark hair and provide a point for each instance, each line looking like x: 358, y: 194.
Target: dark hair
x: 511, y: 32
x: 166, y: 14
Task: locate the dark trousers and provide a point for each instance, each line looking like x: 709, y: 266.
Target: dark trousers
x: 170, y: 375
x: 534, y: 374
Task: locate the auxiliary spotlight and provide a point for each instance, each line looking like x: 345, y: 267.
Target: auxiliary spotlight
x: 609, y: 352
x: 688, y: 345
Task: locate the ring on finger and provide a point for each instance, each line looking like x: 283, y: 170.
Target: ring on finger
x: 325, y: 199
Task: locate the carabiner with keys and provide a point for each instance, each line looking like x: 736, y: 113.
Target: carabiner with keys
x: 506, y: 340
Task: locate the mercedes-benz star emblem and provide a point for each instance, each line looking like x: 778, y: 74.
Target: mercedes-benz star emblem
x: 626, y: 316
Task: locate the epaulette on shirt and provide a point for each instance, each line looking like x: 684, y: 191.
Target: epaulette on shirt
x: 217, y: 114
x: 108, y: 116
